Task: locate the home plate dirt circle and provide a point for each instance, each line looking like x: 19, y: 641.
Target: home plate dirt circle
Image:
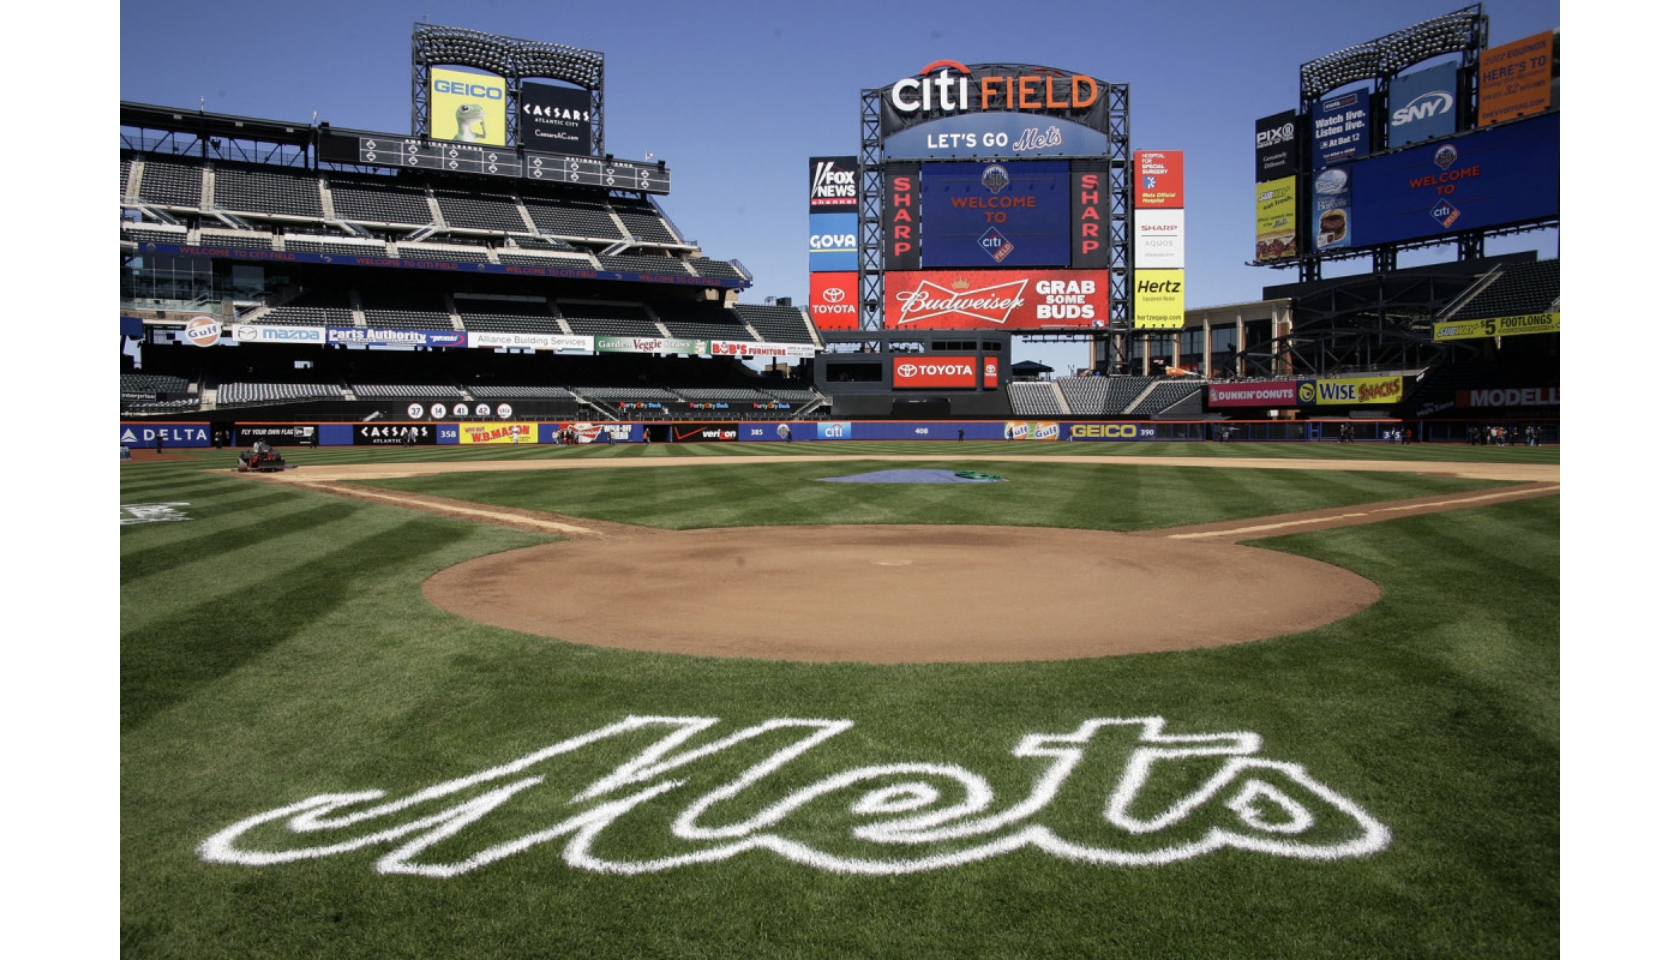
x: 899, y: 594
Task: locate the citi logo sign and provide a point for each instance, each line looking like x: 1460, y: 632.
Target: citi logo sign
x: 1422, y: 107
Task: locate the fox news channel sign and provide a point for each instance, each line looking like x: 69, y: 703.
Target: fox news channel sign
x: 950, y: 111
x: 834, y: 185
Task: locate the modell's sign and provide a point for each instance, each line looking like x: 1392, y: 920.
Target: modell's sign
x: 912, y: 373
x: 1018, y: 299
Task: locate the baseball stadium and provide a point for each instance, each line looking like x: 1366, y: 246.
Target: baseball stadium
x: 554, y: 598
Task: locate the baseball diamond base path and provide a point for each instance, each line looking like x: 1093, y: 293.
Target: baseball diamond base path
x: 909, y: 594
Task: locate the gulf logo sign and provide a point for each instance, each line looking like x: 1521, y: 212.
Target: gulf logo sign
x: 203, y: 331
x: 913, y: 373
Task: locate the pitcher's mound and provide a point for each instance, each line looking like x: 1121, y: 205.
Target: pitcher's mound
x: 900, y: 594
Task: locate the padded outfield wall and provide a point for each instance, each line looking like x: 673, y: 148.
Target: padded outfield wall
x: 143, y: 435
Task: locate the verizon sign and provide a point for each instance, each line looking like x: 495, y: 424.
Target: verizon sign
x: 1010, y: 299
x: 913, y: 373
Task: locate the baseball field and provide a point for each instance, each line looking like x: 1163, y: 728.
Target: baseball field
x: 1165, y: 700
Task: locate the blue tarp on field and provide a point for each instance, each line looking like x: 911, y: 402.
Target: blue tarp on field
x: 910, y: 476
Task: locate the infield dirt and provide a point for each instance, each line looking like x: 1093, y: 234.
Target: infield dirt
x: 909, y: 594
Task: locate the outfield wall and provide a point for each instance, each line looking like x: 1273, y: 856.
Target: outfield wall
x: 143, y: 435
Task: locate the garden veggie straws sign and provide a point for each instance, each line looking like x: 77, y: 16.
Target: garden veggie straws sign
x: 910, y: 817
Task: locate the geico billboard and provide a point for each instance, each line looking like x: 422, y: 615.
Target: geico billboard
x: 914, y: 373
x: 468, y: 107
x: 1010, y: 299
x: 1110, y: 431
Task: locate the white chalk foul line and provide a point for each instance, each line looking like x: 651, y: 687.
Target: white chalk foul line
x: 554, y: 525
x: 1408, y: 508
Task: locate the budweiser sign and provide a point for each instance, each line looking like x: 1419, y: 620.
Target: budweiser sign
x: 1016, y: 299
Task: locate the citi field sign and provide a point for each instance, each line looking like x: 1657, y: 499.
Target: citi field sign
x: 994, y: 110
x: 946, y: 87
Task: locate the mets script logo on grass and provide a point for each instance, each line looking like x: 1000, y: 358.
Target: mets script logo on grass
x: 646, y: 794
x: 153, y: 512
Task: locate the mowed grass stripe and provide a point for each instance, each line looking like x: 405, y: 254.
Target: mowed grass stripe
x: 1435, y: 709
x: 1034, y: 494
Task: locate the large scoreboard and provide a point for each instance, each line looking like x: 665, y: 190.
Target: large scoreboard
x: 997, y: 204
x: 416, y: 153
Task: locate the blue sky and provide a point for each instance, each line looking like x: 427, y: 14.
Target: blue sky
x: 735, y: 97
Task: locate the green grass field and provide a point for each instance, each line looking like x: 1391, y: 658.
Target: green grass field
x: 303, y: 661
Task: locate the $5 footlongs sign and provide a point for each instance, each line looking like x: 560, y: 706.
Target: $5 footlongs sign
x: 909, y: 817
